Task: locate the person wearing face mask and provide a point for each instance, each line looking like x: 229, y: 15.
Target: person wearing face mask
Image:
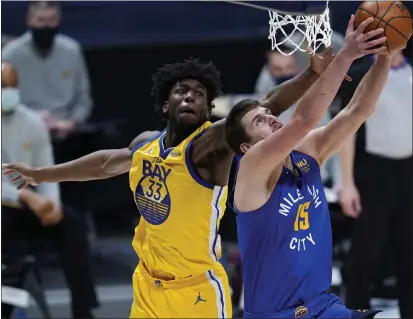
x: 31, y: 213
x: 53, y: 77
x: 53, y: 82
x: 10, y: 97
x: 279, y: 69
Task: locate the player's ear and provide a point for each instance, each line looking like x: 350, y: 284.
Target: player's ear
x: 165, y: 108
x: 244, y: 147
x: 209, y: 111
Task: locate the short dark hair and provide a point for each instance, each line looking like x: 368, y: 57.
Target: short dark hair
x: 35, y: 5
x: 167, y: 76
x: 235, y: 133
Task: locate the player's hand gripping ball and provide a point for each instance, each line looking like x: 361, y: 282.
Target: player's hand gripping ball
x: 393, y: 17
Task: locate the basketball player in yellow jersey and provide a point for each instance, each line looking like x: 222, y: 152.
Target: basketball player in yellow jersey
x: 179, y: 179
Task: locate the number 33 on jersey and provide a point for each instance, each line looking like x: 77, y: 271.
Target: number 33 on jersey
x: 165, y: 186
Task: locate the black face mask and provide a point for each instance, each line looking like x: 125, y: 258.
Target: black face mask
x: 43, y: 37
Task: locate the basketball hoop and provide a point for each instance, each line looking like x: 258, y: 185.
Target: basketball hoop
x: 309, y: 31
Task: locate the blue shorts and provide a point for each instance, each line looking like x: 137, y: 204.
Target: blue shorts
x: 323, y: 306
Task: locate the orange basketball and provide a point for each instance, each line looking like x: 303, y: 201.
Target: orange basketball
x: 393, y: 17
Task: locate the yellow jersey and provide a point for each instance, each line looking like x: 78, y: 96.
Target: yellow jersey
x: 177, y: 235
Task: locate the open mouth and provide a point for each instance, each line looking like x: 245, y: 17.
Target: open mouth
x: 186, y: 110
x: 277, y: 126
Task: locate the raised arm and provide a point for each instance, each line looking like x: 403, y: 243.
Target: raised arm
x: 278, y: 100
x: 310, y: 109
x: 328, y: 139
x: 283, y: 96
x: 98, y: 165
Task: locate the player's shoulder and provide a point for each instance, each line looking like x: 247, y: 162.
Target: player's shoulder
x: 211, y: 132
x: 142, y: 138
x: 308, y: 145
x: 211, y: 150
x: 217, y: 129
x: 213, y: 140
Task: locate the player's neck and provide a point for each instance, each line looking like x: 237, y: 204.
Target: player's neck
x: 175, y: 134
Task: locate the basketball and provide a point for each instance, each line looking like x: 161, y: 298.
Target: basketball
x: 392, y: 16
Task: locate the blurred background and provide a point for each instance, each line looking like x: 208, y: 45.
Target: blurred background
x: 85, y: 83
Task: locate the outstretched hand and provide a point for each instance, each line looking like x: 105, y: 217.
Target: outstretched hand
x: 320, y: 62
x: 24, y: 174
x: 358, y: 44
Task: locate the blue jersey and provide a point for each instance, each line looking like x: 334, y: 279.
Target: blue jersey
x: 286, y: 245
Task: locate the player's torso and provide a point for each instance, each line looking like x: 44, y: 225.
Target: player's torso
x: 289, y: 239
x: 178, y: 234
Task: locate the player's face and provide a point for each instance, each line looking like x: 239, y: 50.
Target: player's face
x: 259, y: 123
x: 187, y: 103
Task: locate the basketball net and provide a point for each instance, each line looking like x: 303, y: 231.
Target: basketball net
x: 309, y: 31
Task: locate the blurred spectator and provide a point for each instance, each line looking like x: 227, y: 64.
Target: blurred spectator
x: 281, y: 68
x: 52, y: 72
x: 5, y: 38
x: 29, y: 214
x: 278, y: 69
x: 377, y: 188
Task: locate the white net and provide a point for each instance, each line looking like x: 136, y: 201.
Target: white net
x: 306, y: 31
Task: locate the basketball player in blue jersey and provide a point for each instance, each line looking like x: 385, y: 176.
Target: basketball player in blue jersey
x: 283, y: 220
x: 178, y: 178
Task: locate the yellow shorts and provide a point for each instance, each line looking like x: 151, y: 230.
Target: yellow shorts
x: 203, y: 296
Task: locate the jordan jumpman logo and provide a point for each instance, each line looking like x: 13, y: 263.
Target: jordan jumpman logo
x: 199, y: 299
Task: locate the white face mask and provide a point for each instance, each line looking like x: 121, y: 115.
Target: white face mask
x: 10, y: 98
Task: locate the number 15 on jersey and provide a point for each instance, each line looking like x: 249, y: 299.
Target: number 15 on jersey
x: 301, y: 220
